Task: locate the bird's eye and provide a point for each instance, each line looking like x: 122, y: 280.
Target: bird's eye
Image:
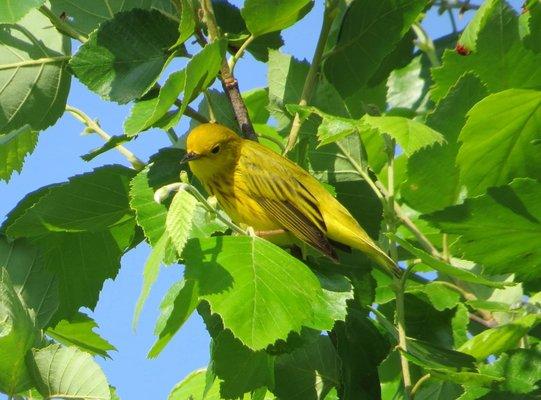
x: 215, y: 149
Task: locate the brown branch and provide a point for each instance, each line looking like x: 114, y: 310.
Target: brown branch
x: 229, y: 83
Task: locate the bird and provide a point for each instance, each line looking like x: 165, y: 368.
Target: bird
x: 264, y: 190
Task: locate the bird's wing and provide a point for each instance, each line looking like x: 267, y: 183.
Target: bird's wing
x: 273, y: 182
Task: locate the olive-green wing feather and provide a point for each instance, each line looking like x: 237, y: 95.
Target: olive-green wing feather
x: 283, y: 197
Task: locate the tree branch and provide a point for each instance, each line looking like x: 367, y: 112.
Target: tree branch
x: 229, y: 83
x: 94, y: 127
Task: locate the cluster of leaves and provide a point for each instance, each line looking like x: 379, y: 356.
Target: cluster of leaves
x: 436, y: 153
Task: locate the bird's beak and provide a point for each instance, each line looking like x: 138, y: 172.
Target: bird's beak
x: 189, y: 157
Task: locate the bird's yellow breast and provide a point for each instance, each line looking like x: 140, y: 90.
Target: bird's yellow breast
x: 230, y: 190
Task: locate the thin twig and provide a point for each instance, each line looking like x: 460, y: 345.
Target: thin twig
x: 311, y: 78
x: 425, y: 44
x: 94, y: 127
x: 229, y: 83
x: 61, y: 25
x: 172, y: 135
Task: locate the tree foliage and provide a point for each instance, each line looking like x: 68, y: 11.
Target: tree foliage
x: 434, y: 145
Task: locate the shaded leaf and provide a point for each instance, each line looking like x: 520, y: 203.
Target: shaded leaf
x: 370, y: 31
x: 37, y: 287
x: 33, y: 74
x: 498, y: 228
x: 440, y: 266
x: 17, y: 336
x: 123, y: 58
x: 240, y: 369
x: 308, y: 372
x: 13, y: 11
x: 85, y: 16
x: 89, y: 202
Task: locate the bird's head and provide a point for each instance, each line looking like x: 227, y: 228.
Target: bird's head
x: 211, y: 148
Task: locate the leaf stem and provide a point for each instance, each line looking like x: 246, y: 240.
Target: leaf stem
x: 172, y: 135
x: 418, y: 384
x: 229, y: 83
x: 61, y: 25
x: 240, y: 52
x: 93, y: 126
x: 193, y: 114
x: 311, y: 78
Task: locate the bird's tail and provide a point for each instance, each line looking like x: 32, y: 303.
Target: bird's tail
x: 385, y: 262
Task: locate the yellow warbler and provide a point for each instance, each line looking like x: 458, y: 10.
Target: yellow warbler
x: 268, y: 192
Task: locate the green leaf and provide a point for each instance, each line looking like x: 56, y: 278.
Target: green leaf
x: 14, y: 147
x: 194, y: 387
x: 361, y: 348
x: 533, y: 38
x: 202, y: 70
x: 17, y: 336
x: 33, y: 75
x: 79, y: 331
x: 431, y: 357
x: 460, y: 323
x: 148, y: 111
x: 13, y: 11
x: 438, y: 390
x: 164, y: 168
x: 497, y: 140
x: 150, y: 274
x: 332, y: 128
x: 405, y: 86
x: 80, y: 269
x: 261, y: 292
x: 468, y: 37
x: 331, y: 305
x: 499, y: 229
x: 123, y: 58
x: 257, y: 103
x: 370, y: 31
x: 433, y: 170
x: 410, y: 135
x: 440, y: 266
x: 488, y: 305
x: 67, y: 372
x: 286, y: 77
x: 37, y: 287
x: 85, y: 16
x: 176, y: 307
x: 188, y: 20
x: 240, y: 369
x: 223, y: 112
x: 440, y: 295
x: 497, y: 340
x: 89, y: 202
x: 519, y: 369
x: 262, y: 16
x: 501, y: 60
x: 179, y: 219
x: 308, y: 372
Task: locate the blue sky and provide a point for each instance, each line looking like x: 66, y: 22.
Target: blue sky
x: 57, y: 158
